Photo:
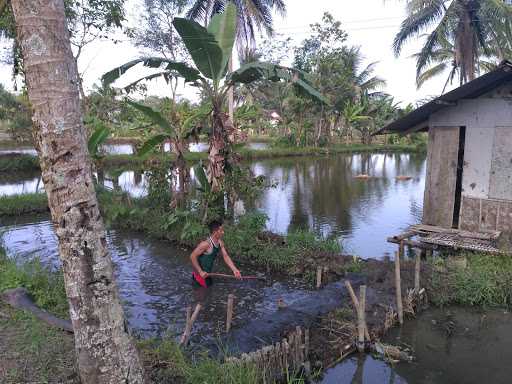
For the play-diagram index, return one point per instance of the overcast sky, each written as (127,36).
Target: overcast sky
(371,24)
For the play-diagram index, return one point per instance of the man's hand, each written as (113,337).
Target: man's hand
(203,274)
(237,274)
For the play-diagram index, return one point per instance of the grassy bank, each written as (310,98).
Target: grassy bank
(20,162)
(247,239)
(23,204)
(472,279)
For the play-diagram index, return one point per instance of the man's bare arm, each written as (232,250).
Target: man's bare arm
(229,262)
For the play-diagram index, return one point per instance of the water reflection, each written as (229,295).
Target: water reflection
(319,194)
(322,194)
(476,351)
(362,370)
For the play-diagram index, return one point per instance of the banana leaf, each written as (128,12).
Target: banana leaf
(223,27)
(100,134)
(151,143)
(155,116)
(188,73)
(255,71)
(202,47)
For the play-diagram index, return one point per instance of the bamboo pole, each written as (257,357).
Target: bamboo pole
(229,312)
(191,318)
(355,303)
(319,277)
(361,317)
(399,305)
(417,269)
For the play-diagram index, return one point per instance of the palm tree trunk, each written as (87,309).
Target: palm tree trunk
(104,349)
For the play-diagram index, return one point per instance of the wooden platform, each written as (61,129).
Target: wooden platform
(431,238)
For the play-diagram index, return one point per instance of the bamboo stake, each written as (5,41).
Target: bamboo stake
(361,318)
(300,351)
(417,269)
(319,277)
(355,302)
(190,322)
(229,312)
(399,305)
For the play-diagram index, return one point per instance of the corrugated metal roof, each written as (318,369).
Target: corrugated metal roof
(471,90)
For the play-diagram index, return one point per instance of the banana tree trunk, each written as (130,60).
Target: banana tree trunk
(104,349)
(217,150)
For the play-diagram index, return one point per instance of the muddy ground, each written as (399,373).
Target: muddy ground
(31,351)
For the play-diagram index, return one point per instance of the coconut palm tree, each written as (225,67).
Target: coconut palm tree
(467,23)
(210,49)
(252,15)
(104,349)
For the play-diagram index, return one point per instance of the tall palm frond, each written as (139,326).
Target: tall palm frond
(253,16)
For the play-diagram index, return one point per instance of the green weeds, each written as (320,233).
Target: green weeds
(485,281)
(18,162)
(46,287)
(23,204)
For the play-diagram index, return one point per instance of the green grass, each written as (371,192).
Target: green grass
(486,281)
(45,287)
(246,240)
(23,204)
(18,162)
(14,163)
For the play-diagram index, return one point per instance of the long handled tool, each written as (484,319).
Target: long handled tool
(262,278)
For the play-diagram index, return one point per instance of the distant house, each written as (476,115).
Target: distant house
(469,160)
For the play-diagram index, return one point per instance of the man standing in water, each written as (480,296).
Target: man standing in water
(203,257)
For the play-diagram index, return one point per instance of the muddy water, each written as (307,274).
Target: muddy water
(154,280)
(320,194)
(454,345)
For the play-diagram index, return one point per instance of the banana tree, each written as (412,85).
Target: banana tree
(210,49)
(178,137)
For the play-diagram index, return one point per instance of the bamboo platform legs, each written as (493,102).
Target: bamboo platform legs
(398,286)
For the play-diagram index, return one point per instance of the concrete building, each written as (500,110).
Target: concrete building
(469,160)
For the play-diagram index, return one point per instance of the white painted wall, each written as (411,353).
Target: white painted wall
(477,162)
(480,117)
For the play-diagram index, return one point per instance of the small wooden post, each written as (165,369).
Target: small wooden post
(401,249)
(417,269)
(190,322)
(361,317)
(355,302)
(399,305)
(229,312)
(319,271)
